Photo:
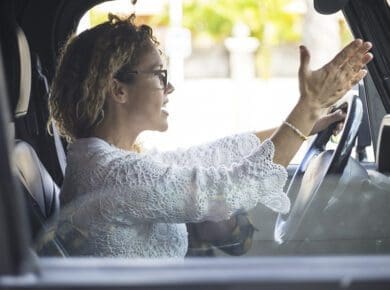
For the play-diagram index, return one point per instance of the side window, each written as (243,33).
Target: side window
(234,66)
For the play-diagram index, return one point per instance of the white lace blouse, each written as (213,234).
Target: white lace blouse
(135,205)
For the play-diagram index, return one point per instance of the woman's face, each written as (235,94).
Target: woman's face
(147,95)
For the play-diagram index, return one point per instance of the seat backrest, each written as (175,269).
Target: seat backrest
(42,196)
(41,190)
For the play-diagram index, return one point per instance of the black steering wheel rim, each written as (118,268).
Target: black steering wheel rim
(316,167)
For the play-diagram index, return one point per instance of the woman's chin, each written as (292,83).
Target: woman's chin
(163,127)
(159,125)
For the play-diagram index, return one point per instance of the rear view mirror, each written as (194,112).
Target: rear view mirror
(329,6)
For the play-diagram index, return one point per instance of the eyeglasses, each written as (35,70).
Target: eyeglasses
(162,74)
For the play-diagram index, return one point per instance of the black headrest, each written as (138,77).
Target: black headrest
(329,6)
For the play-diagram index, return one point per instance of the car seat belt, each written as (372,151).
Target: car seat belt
(61,156)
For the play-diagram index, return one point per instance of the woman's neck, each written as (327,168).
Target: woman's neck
(119,136)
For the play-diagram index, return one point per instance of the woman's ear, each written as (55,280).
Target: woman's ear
(119,92)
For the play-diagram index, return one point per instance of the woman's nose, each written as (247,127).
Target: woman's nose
(170,88)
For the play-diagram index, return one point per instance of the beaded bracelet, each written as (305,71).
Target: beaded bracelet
(296,130)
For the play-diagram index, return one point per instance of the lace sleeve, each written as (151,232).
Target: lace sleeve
(150,190)
(224,151)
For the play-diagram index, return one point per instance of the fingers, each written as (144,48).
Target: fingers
(327,120)
(337,115)
(344,55)
(362,73)
(304,60)
(339,127)
(334,117)
(347,67)
(360,58)
(349,78)
(367,58)
(351,72)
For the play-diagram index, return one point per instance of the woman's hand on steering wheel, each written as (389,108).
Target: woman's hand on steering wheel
(327,120)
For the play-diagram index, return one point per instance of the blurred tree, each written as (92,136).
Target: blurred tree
(211,21)
(215,18)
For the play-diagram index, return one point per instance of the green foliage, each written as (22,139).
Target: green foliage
(215,19)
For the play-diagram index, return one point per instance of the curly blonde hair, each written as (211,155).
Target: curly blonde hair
(87,62)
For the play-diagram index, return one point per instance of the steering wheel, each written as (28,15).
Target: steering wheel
(315,179)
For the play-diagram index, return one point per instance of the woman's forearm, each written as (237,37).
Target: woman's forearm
(285,140)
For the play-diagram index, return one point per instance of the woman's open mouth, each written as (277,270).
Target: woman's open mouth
(164,108)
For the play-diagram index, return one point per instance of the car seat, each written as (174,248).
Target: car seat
(41,192)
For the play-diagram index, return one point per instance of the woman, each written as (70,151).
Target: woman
(111,85)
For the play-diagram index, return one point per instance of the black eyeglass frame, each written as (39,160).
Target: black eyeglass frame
(157,72)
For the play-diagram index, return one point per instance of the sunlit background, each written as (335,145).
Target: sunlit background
(233,62)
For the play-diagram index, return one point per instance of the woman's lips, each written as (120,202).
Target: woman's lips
(164,107)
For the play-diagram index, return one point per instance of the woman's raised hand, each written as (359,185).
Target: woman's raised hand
(319,89)
(323,87)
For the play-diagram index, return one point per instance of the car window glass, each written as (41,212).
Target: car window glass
(234,67)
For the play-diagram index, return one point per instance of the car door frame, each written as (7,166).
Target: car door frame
(20,270)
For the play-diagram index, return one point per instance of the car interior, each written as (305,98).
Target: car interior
(40,158)
(340,202)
